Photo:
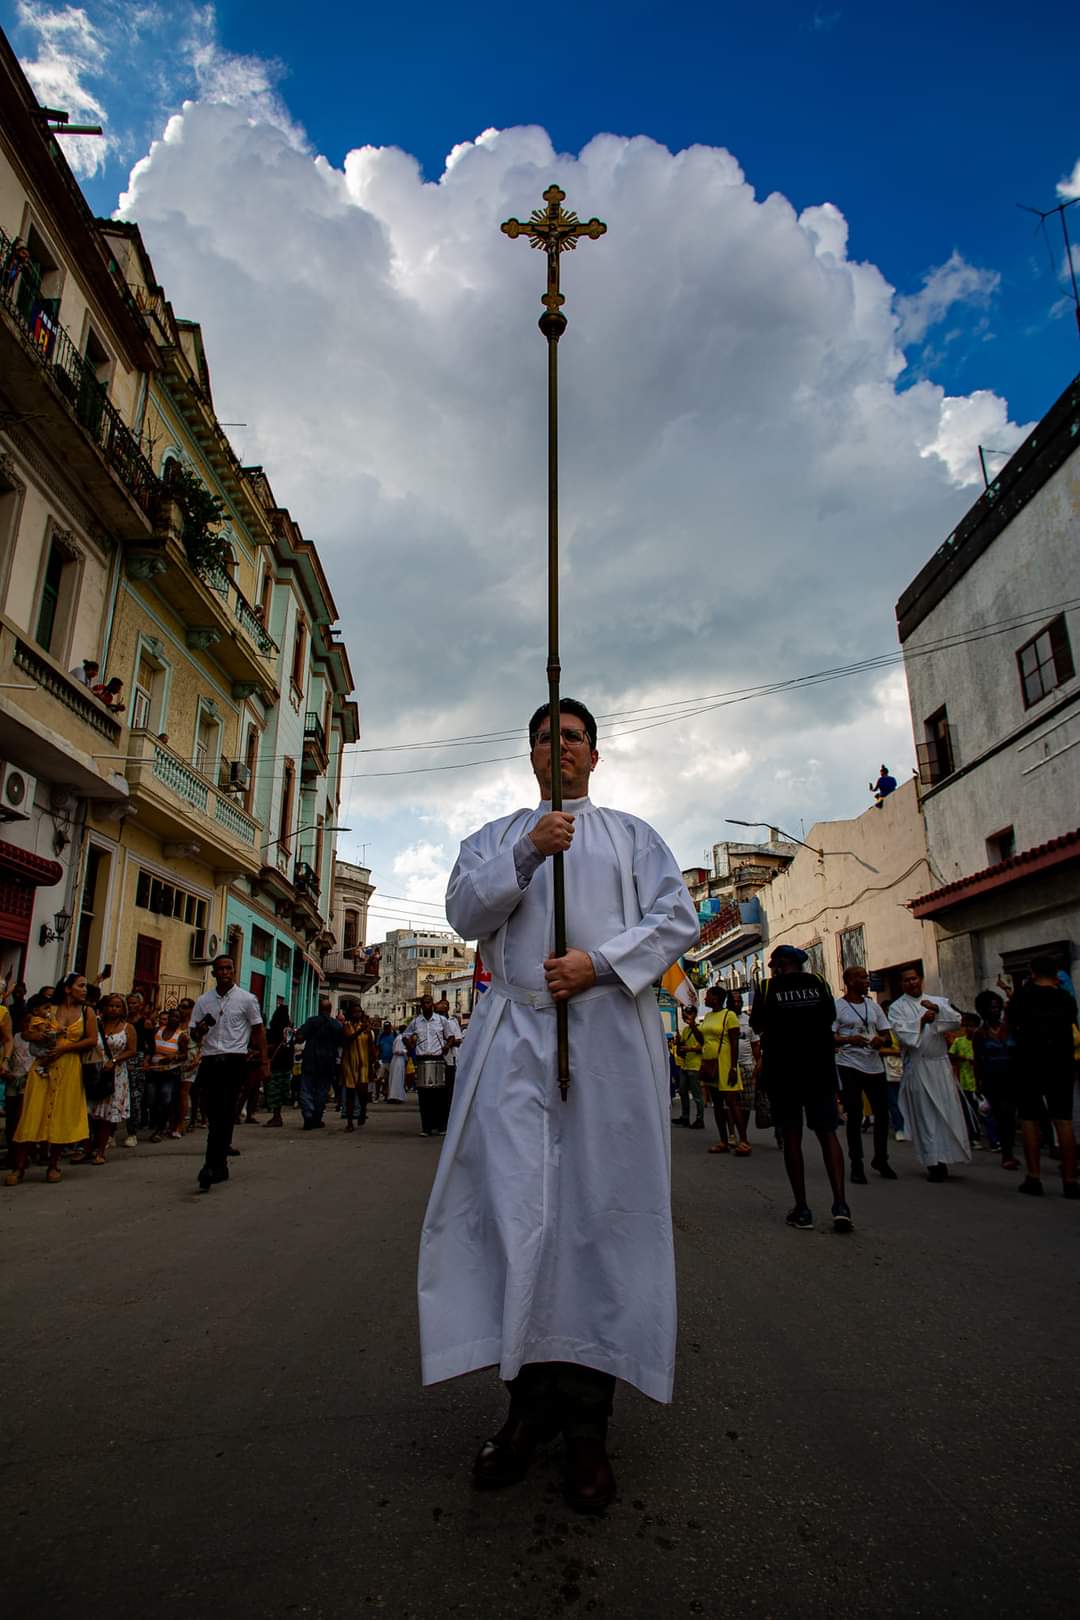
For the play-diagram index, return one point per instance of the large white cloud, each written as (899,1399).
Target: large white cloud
(747,483)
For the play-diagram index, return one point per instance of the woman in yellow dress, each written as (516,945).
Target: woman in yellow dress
(720,1070)
(54,1102)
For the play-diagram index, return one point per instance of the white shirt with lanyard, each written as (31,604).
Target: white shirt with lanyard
(860,1018)
(235,1015)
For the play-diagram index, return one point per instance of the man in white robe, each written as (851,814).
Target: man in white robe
(547,1246)
(929,1099)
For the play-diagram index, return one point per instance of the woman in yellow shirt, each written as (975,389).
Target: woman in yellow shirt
(720,1071)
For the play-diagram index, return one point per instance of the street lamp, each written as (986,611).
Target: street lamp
(820,853)
(61,921)
(287,837)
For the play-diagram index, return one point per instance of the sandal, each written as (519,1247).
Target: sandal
(13,1178)
(54,1174)
(743,1149)
(99,1158)
(719,1147)
(80,1157)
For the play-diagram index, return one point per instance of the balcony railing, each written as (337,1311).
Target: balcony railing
(225,587)
(72,375)
(151,758)
(70,693)
(313,730)
(306,879)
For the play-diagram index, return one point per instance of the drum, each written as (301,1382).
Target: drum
(430,1071)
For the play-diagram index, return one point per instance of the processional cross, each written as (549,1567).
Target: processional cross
(555,231)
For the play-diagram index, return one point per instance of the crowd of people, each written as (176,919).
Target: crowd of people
(914,1069)
(84,1070)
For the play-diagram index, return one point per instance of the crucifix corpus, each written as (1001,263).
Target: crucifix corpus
(555,231)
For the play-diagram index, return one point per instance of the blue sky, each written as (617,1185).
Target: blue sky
(842,300)
(925,126)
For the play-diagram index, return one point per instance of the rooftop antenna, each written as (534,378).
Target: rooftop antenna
(1043,215)
(988,450)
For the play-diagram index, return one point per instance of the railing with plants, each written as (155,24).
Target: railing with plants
(73,376)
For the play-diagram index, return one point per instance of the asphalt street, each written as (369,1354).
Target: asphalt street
(212,1404)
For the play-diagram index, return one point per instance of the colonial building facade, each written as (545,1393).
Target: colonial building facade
(200,815)
(75,491)
(990,631)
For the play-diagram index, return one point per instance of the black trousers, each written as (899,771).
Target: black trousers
(852,1085)
(434,1107)
(562,1395)
(220,1082)
(1002,1099)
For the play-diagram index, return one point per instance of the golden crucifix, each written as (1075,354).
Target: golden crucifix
(555,231)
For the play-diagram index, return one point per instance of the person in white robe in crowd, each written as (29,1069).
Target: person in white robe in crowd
(547,1245)
(399,1058)
(929,1099)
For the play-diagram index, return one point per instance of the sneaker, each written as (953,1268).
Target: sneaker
(800,1218)
(884,1169)
(901,1136)
(131,1141)
(841,1217)
(1032,1185)
(680,1121)
(857,1176)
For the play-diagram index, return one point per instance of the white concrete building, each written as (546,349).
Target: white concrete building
(845,899)
(412,962)
(989,630)
(351,966)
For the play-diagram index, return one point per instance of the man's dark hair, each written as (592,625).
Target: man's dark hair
(1044,966)
(224,957)
(566,706)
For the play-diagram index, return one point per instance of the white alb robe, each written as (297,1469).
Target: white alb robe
(395,1090)
(929,1099)
(548,1231)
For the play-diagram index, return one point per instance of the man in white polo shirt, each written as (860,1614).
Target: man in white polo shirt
(861,1032)
(228,1022)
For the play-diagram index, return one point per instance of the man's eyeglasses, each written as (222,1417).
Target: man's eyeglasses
(575,738)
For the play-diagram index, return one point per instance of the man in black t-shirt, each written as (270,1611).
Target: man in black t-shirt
(791,1024)
(1040,1020)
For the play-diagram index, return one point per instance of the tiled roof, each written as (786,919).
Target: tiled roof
(1029,861)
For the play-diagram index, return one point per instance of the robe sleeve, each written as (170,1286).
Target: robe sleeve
(948,1017)
(483,888)
(642,954)
(906,1022)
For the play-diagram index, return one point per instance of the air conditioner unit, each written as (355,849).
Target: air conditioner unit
(204,947)
(17,791)
(239,774)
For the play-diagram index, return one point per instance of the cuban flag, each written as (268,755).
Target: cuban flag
(481,978)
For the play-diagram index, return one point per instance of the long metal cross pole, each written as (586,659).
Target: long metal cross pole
(555,231)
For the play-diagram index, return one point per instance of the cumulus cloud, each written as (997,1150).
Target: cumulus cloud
(70,52)
(954,282)
(747,484)
(1069,188)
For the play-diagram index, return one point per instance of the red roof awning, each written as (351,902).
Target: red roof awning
(1043,858)
(22,863)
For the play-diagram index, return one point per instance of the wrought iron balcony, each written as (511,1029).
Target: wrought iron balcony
(306,879)
(227,588)
(85,398)
(315,758)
